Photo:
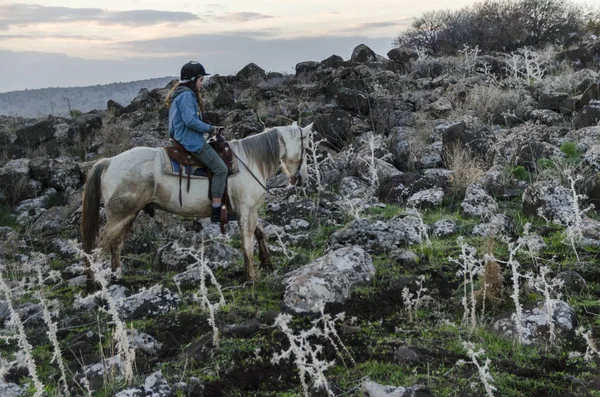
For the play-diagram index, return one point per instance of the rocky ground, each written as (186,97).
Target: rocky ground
(433,183)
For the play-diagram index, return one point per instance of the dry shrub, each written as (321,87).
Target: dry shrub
(490,103)
(115,139)
(491,293)
(467,168)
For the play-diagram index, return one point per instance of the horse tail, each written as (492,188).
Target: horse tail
(90,207)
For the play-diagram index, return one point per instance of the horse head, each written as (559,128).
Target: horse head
(294,160)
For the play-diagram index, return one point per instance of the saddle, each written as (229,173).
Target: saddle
(184,160)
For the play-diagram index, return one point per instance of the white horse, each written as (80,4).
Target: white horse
(134,179)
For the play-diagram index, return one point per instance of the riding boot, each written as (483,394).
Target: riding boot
(215,217)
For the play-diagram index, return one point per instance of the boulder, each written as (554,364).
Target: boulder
(372,389)
(589,115)
(251,73)
(403,55)
(84,127)
(333,61)
(328,279)
(553,200)
(335,127)
(536,324)
(477,203)
(378,237)
(306,68)
(362,54)
(224,99)
(349,99)
(15,184)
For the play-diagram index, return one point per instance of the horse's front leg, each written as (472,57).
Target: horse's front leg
(263,249)
(247,222)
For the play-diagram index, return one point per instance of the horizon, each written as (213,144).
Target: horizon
(56,43)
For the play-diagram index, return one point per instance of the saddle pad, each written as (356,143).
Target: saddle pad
(171,167)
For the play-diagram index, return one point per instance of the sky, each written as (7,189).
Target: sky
(49,43)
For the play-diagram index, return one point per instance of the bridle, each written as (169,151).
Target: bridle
(293,178)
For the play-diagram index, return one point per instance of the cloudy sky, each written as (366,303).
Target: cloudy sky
(46,43)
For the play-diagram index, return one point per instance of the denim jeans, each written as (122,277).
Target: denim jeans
(211,159)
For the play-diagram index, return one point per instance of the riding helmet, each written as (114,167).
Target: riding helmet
(192,70)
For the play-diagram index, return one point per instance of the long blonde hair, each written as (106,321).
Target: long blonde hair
(192,86)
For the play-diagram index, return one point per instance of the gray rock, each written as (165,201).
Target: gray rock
(477,203)
(592,157)
(224,99)
(545,116)
(497,224)
(553,200)
(405,258)
(372,389)
(362,53)
(251,73)
(304,68)
(350,99)
(156,385)
(552,100)
(132,392)
(10,390)
(572,282)
(429,198)
(10,242)
(353,187)
(440,108)
(405,355)
(444,227)
(589,115)
(96,373)
(141,341)
(471,135)
(403,55)
(536,324)
(15,184)
(328,279)
(378,237)
(335,128)
(149,302)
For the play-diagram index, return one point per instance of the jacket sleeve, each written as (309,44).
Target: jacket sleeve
(189,114)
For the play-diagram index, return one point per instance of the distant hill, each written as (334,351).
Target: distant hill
(45,101)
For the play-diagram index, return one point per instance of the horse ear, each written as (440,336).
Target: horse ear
(309,128)
(295,124)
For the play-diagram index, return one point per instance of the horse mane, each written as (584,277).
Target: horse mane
(264,150)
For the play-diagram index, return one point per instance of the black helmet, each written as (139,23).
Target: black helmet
(192,70)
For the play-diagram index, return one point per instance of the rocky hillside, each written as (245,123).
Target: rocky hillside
(445,245)
(61,100)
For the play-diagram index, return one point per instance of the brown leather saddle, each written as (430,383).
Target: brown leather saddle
(193,166)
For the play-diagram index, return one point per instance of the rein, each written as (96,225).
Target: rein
(275,187)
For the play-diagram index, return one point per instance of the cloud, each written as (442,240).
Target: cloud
(31,14)
(236,17)
(53,36)
(376,25)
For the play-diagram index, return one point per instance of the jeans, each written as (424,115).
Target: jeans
(211,159)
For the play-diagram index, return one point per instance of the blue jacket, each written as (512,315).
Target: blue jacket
(185,120)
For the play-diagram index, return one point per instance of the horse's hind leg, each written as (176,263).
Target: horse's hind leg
(263,249)
(113,236)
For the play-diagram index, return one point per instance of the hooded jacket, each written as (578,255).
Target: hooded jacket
(185,120)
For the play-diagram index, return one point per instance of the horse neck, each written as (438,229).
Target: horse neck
(262,152)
